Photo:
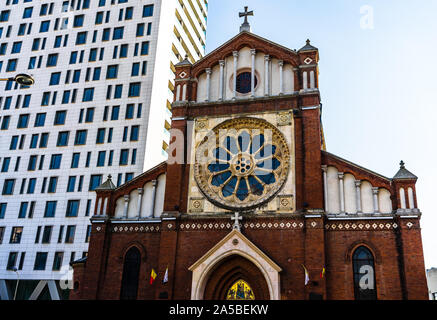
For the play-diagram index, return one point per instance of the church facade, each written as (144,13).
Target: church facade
(250,205)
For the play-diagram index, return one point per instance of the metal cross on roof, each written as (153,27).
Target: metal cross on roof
(236,218)
(245,26)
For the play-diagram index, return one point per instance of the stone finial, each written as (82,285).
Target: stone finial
(402,164)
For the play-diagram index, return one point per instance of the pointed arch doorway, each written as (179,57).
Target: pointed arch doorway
(236,278)
(235,258)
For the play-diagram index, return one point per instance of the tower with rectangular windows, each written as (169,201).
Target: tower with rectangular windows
(104,75)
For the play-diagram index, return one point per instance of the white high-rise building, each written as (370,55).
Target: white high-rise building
(100,105)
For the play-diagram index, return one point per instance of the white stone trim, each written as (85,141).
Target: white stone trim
(203,268)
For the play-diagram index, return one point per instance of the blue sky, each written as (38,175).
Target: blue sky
(377,85)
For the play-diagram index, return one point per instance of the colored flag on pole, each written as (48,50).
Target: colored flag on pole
(322,274)
(307,275)
(152,276)
(165,280)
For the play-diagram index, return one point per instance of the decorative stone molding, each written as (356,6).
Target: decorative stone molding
(228,247)
(285,203)
(368,226)
(284,118)
(197,205)
(202,124)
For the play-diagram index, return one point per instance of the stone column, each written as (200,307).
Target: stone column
(154,183)
(341,188)
(126,206)
(98,206)
(208,84)
(105,205)
(222,79)
(325,186)
(253,54)
(305,80)
(266,74)
(140,201)
(234,85)
(312,80)
(358,194)
(281,77)
(375,200)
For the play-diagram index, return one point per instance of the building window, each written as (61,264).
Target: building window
(134,133)
(88,95)
(80,138)
(75,160)
(124,155)
(145,48)
(8,187)
(57,261)
(100,136)
(78,21)
(47,234)
(23,210)
(88,234)
(52,60)
(95,181)
(60,117)
(16,234)
(148,11)
(118,33)
(2,234)
(55,161)
(5,165)
(44,27)
(71,184)
(3,207)
(134,89)
(62,139)
(27,13)
(112,72)
(23,121)
(72,208)
(40,261)
(364,274)
(50,209)
(69,235)
(55,78)
(12,260)
(53,182)
(81,38)
(40,119)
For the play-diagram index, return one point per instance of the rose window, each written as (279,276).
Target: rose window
(242,164)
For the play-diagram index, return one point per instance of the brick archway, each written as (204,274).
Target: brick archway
(229,271)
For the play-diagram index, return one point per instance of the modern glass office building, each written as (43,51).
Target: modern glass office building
(100,105)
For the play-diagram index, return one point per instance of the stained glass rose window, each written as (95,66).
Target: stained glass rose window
(242,164)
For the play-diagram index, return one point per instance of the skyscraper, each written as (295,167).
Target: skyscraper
(100,105)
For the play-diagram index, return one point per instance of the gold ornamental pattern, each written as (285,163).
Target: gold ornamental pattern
(242,164)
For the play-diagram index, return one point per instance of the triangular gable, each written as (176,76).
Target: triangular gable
(246,39)
(242,241)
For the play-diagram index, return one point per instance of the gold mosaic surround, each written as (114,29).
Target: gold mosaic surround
(235,127)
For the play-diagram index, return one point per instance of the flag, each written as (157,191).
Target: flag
(322,274)
(152,276)
(165,280)
(307,276)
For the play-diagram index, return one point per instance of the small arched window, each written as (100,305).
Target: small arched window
(131,271)
(364,274)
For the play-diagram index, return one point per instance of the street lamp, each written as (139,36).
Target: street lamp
(18,280)
(23,79)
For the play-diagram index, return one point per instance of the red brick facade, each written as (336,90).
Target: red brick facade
(307,237)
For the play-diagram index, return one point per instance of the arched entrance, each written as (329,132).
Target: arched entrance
(232,259)
(232,272)
(131,271)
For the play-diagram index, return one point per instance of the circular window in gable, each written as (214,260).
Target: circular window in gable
(244,82)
